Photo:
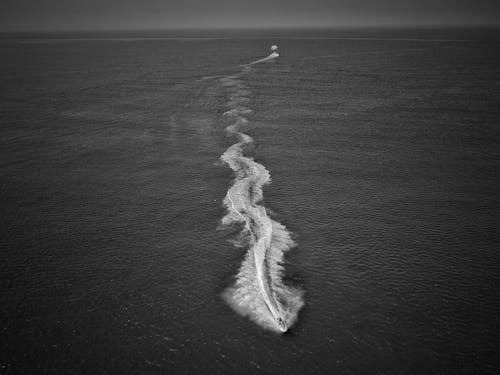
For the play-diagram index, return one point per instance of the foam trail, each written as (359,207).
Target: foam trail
(259,291)
(270,57)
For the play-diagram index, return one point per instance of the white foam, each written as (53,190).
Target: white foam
(270,57)
(259,291)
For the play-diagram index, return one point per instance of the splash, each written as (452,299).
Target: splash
(259,291)
(270,57)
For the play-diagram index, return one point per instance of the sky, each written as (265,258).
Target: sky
(46,15)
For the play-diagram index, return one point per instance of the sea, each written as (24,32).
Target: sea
(172,204)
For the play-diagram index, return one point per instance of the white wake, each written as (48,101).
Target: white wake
(259,291)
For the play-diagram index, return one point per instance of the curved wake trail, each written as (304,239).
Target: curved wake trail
(259,291)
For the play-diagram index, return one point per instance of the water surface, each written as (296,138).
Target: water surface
(383,150)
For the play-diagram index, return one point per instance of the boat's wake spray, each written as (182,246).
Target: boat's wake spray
(259,291)
(274,54)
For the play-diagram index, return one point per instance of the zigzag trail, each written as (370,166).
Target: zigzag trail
(259,291)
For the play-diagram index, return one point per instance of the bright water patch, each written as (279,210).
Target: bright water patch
(259,291)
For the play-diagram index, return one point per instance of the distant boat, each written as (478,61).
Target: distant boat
(275,53)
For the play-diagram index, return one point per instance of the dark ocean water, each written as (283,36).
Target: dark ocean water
(384,154)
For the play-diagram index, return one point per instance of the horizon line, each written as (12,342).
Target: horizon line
(259,28)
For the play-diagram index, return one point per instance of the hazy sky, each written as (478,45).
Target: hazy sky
(160,14)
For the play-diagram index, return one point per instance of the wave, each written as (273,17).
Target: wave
(259,291)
